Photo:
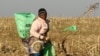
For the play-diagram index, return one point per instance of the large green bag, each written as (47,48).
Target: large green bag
(49,49)
(23,23)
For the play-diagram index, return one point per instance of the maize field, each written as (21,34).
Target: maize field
(83,42)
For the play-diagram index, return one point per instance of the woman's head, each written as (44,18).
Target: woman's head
(42,13)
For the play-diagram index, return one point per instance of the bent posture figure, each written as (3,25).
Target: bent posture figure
(38,33)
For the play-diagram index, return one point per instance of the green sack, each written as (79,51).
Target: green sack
(23,23)
(70,28)
(49,49)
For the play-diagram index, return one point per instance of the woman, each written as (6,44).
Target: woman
(38,32)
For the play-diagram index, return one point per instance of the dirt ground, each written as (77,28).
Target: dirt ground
(83,42)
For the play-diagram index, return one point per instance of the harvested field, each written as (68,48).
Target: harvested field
(83,42)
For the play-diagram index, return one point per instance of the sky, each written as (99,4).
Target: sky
(61,8)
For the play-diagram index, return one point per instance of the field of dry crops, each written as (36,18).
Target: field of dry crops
(84,42)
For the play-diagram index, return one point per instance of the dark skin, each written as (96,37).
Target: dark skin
(43,16)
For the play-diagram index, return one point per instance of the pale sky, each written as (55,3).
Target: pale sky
(54,7)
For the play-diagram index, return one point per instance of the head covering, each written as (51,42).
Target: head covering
(42,10)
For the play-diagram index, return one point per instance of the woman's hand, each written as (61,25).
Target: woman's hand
(41,37)
(47,38)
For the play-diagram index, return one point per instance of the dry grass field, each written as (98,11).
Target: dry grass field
(83,42)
